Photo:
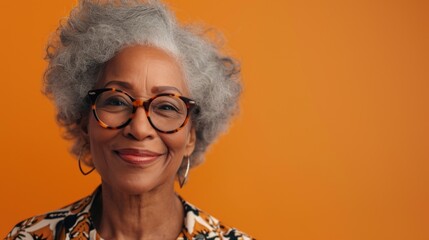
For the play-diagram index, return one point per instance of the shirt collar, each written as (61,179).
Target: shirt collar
(196,224)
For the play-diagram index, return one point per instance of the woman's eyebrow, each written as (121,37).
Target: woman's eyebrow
(159,89)
(156,89)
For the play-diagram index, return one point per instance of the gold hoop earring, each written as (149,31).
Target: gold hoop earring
(80,165)
(182,181)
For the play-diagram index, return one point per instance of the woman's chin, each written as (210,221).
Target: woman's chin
(136,186)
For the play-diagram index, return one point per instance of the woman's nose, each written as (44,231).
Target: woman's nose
(139,128)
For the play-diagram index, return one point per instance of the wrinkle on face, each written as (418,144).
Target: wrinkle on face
(152,79)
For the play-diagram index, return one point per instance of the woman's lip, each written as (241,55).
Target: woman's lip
(137,156)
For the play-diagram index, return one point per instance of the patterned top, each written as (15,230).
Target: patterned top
(74,222)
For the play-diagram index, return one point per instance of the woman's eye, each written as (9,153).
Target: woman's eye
(167,107)
(115,102)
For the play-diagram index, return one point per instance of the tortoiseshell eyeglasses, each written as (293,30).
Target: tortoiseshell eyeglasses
(166,112)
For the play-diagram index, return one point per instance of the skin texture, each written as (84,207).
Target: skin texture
(138,199)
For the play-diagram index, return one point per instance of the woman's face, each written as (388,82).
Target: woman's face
(137,158)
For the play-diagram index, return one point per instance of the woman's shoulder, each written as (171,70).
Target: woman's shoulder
(201,225)
(50,224)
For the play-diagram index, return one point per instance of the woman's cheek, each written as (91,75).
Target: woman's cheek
(176,142)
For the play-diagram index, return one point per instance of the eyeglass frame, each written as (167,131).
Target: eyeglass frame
(94,93)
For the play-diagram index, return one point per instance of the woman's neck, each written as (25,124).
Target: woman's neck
(157,214)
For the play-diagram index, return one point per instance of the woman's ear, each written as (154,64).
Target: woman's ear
(190,145)
(83,124)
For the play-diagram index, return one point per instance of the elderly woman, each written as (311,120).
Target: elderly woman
(141,98)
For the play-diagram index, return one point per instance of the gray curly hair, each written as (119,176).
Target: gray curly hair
(97,30)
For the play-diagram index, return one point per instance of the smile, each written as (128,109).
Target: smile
(137,157)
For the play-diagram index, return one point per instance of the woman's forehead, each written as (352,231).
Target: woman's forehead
(144,68)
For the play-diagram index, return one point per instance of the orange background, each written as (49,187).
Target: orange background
(332,141)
